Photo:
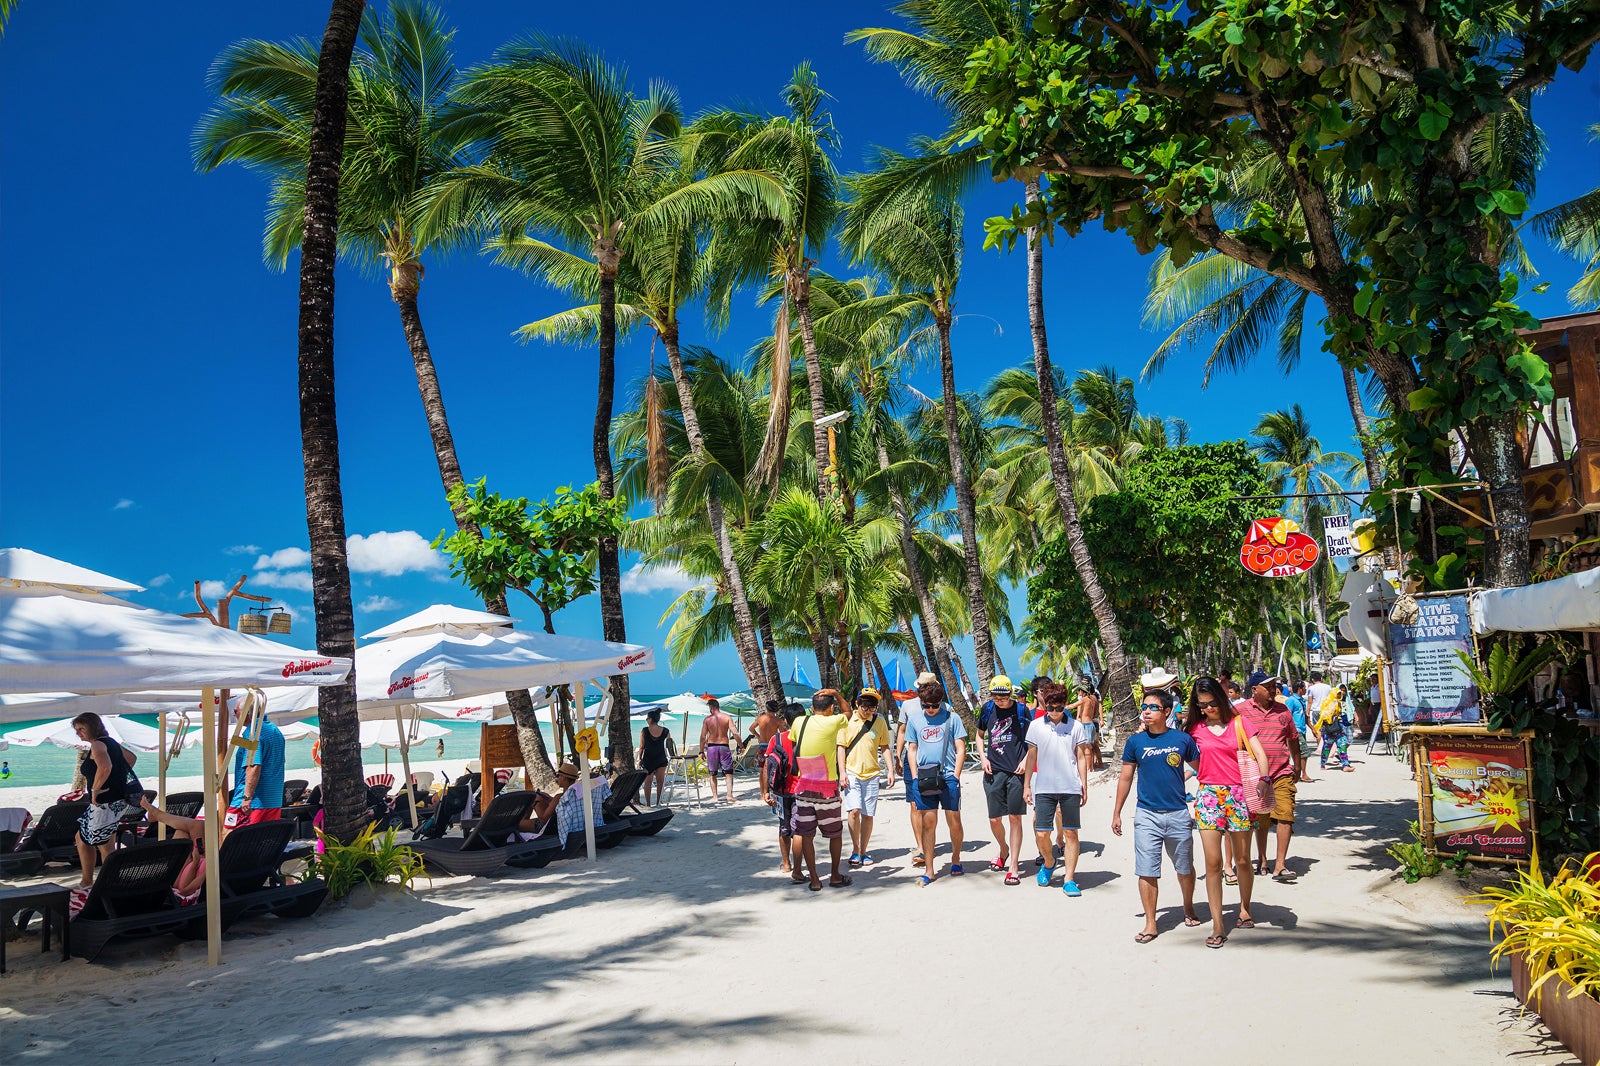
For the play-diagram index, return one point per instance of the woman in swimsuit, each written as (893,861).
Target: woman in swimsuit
(653,755)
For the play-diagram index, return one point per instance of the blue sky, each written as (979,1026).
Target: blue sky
(148,419)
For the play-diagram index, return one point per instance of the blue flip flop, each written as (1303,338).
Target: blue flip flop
(956,870)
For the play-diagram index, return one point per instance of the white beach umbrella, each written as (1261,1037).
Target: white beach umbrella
(21,568)
(60,734)
(299,731)
(441,617)
(387,734)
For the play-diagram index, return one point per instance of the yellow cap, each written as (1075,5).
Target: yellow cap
(1000,683)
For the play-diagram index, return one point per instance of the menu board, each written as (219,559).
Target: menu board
(1478,796)
(497,748)
(1431,685)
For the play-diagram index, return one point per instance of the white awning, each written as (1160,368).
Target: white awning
(1567,603)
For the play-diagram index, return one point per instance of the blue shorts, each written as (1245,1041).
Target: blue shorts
(1045,806)
(949,796)
(1155,830)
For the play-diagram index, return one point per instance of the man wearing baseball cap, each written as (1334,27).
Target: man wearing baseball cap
(1280,740)
(1002,745)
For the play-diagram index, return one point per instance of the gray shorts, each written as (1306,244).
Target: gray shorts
(1154,829)
(1044,811)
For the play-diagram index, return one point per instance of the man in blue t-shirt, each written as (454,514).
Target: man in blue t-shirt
(936,746)
(1003,729)
(258,786)
(1157,755)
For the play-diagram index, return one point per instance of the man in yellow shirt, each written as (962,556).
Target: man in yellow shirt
(865,739)
(819,753)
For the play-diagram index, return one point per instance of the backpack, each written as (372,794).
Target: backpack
(782,763)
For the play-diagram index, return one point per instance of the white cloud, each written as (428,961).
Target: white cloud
(243,549)
(211,590)
(392,554)
(283,579)
(122,505)
(159,580)
(284,559)
(378,603)
(640,579)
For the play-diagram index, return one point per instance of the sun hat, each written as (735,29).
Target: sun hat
(927,677)
(1000,684)
(566,769)
(1157,678)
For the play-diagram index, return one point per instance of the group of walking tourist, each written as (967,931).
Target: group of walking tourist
(1213,756)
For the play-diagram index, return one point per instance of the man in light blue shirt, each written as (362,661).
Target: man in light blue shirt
(258,787)
(936,747)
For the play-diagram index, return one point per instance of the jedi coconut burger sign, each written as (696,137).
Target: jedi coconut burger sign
(1275,547)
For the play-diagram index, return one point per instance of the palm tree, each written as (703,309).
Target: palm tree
(343,793)
(932,58)
(402,82)
(571,154)
(916,244)
(1293,458)
(796,148)
(657,276)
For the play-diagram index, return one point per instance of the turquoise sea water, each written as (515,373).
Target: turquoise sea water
(50,765)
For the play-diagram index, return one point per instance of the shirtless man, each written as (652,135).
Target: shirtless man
(716,746)
(769,722)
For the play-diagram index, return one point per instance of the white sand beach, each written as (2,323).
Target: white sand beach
(691,948)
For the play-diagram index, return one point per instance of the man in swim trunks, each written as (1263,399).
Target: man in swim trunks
(770,722)
(716,745)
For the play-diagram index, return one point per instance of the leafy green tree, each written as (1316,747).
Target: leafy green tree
(1137,113)
(1168,543)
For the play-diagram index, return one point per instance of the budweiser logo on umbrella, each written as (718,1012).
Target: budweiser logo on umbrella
(1275,547)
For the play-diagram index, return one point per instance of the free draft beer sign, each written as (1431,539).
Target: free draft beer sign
(1275,547)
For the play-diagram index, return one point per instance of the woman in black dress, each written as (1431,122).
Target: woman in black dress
(653,755)
(107,769)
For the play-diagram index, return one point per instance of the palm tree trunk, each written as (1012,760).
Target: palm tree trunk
(800,287)
(820,648)
(884,693)
(966,506)
(405,283)
(612,622)
(744,635)
(769,651)
(1496,454)
(1118,687)
(938,645)
(919,662)
(343,793)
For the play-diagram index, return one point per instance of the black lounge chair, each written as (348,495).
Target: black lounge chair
(133,897)
(185,804)
(55,834)
(623,806)
(293,790)
(17,860)
(492,843)
(251,883)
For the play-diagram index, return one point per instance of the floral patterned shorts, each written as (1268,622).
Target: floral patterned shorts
(1222,807)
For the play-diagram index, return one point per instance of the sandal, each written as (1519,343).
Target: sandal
(1216,941)
(956,870)
(816,887)
(1144,938)
(1013,879)
(1245,923)
(997,865)
(1285,877)
(1191,922)
(793,879)
(926,880)
(855,860)
(1230,879)
(918,861)
(844,881)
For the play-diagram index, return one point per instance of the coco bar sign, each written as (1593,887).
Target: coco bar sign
(1275,547)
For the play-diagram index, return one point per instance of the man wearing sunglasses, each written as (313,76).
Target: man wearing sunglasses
(1060,751)
(1161,818)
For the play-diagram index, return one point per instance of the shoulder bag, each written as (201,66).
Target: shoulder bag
(1249,773)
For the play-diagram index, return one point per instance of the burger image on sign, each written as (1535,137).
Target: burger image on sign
(1275,547)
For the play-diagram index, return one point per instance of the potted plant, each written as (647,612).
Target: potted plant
(1550,932)
(370,860)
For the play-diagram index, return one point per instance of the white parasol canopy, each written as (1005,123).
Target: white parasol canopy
(1568,603)
(65,642)
(61,734)
(299,731)
(688,704)
(441,617)
(386,733)
(21,568)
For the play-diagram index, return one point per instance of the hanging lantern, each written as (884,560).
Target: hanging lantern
(279,622)
(253,622)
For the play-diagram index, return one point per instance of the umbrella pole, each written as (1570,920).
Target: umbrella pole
(583,779)
(161,774)
(405,763)
(208,710)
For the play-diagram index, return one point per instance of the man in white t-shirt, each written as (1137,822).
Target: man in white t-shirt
(1057,765)
(1315,695)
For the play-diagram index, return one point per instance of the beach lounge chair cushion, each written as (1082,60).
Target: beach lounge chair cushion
(132,896)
